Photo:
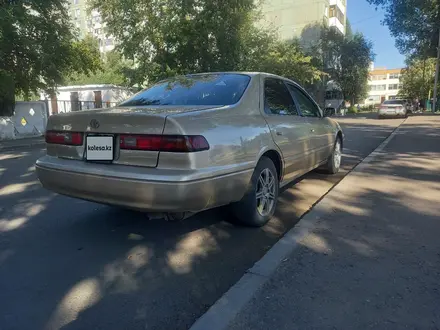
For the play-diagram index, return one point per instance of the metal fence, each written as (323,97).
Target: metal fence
(67,106)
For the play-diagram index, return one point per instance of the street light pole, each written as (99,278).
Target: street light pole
(437,69)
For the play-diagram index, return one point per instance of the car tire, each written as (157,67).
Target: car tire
(256,212)
(334,160)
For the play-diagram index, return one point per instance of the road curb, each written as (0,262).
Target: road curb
(225,310)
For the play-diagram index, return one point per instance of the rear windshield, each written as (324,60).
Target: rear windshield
(394,102)
(208,89)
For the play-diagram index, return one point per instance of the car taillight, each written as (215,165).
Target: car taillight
(168,143)
(67,138)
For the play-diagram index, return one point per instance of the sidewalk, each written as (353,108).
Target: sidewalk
(10,145)
(372,257)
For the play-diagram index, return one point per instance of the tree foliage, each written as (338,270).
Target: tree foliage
(113,69)
(353,73)
(37,48)
(414,23)
(346,60)
(418,78)
(170,37)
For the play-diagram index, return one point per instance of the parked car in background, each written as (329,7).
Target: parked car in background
(393,108)
(193,143)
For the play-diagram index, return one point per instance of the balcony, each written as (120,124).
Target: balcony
(340,3)
(333,21)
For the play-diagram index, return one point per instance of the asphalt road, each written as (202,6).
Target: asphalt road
(372,261)
(70,264)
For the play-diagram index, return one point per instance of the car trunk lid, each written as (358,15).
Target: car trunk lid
(103,129)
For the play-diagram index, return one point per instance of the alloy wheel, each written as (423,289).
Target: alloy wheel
(265,193)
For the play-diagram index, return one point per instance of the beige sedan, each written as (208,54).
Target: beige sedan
(193,143)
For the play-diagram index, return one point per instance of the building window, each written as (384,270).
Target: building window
(77,13)
(378,87)
(379,77)
(75,2)
(400,86)
(393,87)
(394,76)
(109,42)
(336,12)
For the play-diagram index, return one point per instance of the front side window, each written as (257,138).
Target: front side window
(277,99)
(307,107)
(206,89)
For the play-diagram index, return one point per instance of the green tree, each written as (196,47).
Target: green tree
(353,73)
(113,70)
(414,23)
(418,78)
(37,48)
(171,37)
(286,59)
(346,60)
(168,37)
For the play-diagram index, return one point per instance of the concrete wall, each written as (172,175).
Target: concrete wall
(86,96)
(6,129)
(30,119)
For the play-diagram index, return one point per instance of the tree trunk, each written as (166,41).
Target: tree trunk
(7,104)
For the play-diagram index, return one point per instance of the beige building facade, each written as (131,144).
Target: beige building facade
(294,18)
(89,23)
(384,84)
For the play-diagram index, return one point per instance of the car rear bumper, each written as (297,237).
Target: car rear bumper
(392,114)
(142,189)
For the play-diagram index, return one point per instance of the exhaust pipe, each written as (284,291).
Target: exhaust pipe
(170,216)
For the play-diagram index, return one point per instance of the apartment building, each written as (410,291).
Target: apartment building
(89,23)
(293,18)
(384,85)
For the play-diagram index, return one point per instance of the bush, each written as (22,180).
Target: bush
(367,108)
(352,109)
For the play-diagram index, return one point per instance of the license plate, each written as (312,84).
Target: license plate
(99,148)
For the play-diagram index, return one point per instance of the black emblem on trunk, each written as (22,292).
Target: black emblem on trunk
(94,123)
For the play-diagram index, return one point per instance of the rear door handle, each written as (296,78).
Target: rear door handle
(279,133)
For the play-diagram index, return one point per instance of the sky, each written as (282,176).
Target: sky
(366,19)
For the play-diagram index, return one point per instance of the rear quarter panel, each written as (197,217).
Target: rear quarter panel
(238,135)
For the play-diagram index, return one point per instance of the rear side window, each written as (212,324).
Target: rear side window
(277,98)
(207,89)
(394,102)
(307,107)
